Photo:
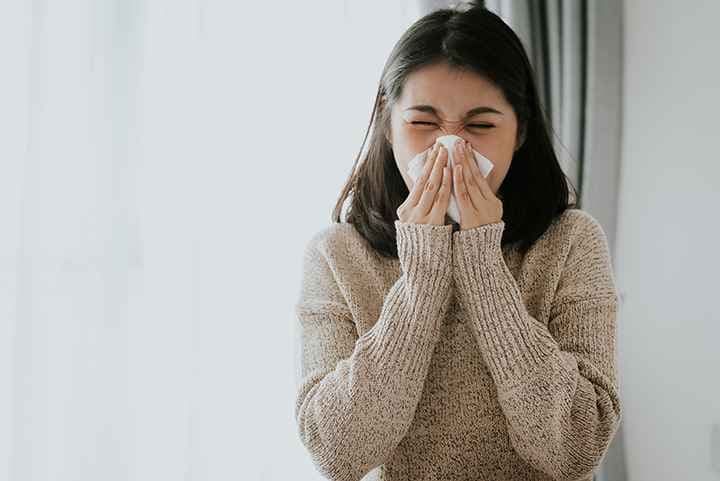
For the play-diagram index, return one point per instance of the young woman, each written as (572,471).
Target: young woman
(483,349)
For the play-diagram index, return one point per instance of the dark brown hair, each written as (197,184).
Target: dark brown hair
(535,189)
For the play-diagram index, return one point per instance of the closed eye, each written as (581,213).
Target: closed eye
(474,126)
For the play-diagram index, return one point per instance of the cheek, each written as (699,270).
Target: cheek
(501,158)
(495,147)
(402,158)
(406,147)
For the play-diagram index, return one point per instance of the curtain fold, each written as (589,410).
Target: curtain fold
(554,34)
(575,47)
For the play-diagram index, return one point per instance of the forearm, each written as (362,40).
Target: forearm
(562,408)
(352,417)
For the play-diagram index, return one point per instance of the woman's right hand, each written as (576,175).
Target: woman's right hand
(428,200)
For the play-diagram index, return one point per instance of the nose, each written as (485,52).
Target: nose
(456,133)
(452,130)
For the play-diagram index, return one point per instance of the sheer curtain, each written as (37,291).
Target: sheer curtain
(163,164)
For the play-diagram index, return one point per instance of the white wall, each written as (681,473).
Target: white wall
(667,244)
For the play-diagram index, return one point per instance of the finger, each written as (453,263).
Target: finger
(464,201)
(472,165)
(480,179)
(473,189)
(443,198)
(433,183)
(419,185)
(429,162)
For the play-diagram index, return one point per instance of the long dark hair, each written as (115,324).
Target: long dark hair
(535,189)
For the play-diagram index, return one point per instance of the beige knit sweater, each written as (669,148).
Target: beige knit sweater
(462,359)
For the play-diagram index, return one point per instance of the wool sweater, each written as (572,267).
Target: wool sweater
(462,359)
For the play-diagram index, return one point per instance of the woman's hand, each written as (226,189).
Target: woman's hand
(477,203)
(429,198)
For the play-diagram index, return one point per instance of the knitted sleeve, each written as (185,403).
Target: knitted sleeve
(357,395)
(556,384)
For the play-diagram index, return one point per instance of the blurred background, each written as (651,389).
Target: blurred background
(163,164)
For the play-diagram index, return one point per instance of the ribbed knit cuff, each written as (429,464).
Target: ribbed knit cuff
(425,255)
(403,339)
(479,244)
(512,342)
(430,244)
(401,343)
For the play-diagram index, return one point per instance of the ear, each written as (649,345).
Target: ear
(522,133)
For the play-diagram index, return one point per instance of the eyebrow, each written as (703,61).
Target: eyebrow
(477,110)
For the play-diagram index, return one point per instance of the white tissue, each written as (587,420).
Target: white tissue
(415,167)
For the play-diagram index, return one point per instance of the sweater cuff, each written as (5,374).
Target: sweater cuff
(425,252)
(512,342)
(480,244)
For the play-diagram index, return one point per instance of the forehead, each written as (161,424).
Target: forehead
(450,90)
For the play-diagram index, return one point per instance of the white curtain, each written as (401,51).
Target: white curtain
(163,164)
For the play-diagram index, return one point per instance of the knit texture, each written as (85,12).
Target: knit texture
(460,360)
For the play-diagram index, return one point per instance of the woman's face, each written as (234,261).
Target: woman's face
(452,93)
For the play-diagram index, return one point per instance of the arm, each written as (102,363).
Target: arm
(557,384)
(357,395)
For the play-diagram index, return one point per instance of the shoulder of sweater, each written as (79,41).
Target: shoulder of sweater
(333,237)
(583,227)
(573,232)
(575,225)
(586,254)
(577,241)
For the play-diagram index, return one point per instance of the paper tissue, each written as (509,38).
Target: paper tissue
(415,167)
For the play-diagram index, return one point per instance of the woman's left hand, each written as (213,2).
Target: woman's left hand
(477,203)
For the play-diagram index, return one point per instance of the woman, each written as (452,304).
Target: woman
(483,349)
